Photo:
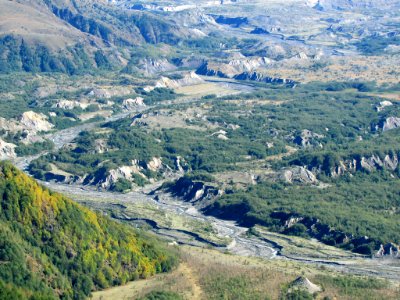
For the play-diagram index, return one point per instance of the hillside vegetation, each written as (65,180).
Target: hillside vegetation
(52,248)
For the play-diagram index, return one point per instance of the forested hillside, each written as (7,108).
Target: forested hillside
(52,248)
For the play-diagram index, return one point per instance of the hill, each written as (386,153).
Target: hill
(72,36)
(50,247)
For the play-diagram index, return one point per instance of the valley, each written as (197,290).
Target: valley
(225,235)
(211,149)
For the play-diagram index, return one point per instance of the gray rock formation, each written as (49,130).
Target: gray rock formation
(153,66)
(70,104)
(388,250)
(129,172)
(371,163)
(35,122)
(194,191)
(391,123)
(353,4)
(343,167)
(255,76)
(129,104)
(298,175)
(382,105)
(303,283)
(307,139)
(7,150)
(292,221)
(190,78)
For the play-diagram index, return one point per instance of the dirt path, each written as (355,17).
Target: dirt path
(191,277)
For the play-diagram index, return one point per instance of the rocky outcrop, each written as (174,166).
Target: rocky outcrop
(391,123)
(208,69)
(326,233)
(354,164)
(155,164)
(169,7)
(109,92)
(308,139)
(298,175)
(243,64)
(304,284)
(371,163)
(193,191)
(124,172)
(189,62)
(180,164)
(27,131)
(352,4)
(389,250)
(292,221)
(259,77)
(235,21)
(11,125)
(187,79)
(129,104)
(7,150)
(382,105)
(151,66)
(238,67)
(221,134)
(138,172)
(259,30)
(129,173)
(69,104)
(343,167)
(35,122)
